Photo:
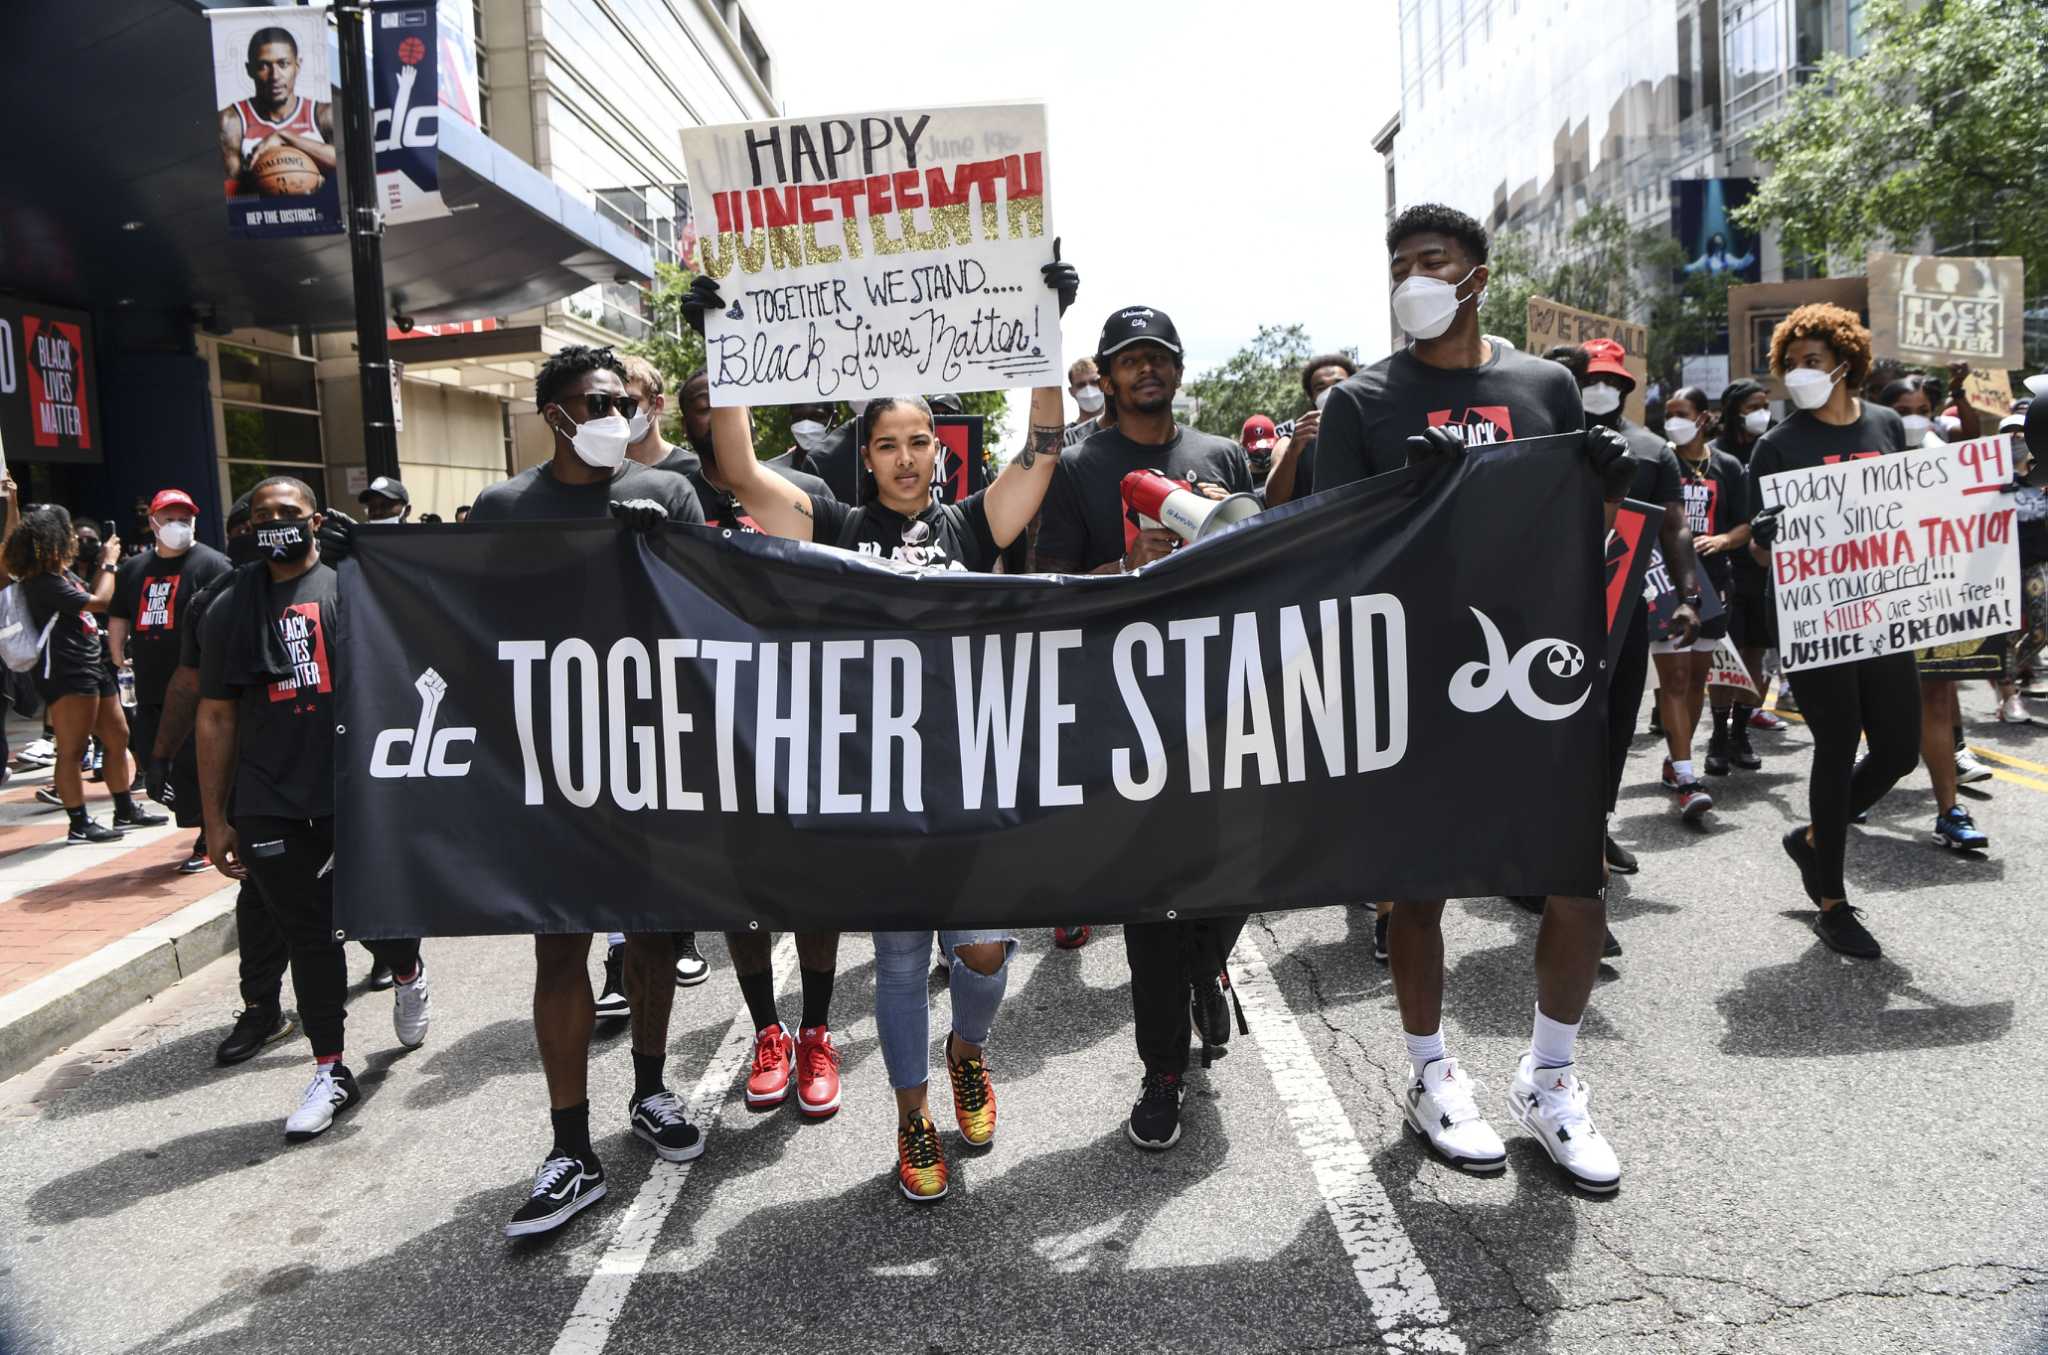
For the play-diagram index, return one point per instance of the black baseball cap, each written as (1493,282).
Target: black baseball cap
(384,487)
(1138,324)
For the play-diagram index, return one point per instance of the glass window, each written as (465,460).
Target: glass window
(261,378)
(244,476)
(270,435)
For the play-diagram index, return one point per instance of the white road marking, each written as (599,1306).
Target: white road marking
(1396,1283)
(590,1325)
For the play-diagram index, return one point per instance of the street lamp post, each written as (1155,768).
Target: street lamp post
(366,241)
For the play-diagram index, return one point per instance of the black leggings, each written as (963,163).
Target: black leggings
(1874,699)
(1164,958)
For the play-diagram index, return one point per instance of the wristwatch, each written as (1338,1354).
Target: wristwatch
(1690,599)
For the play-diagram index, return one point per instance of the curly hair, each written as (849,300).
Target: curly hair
(1322,360)
(1436,219)
(572,362)
(42,544)
(1839,329)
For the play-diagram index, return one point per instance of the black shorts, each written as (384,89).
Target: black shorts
(90,682)
(1753,620)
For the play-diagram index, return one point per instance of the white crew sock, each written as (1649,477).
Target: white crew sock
(1424,1050)
(1682,770)
(1551,1044)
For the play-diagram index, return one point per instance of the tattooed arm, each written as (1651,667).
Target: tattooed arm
(777,507)
(1014,498)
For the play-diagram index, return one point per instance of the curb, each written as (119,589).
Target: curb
(58,1008)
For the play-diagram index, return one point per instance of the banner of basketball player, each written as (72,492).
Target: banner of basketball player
(276,121)
(578,728)
(405,109)
(863,255)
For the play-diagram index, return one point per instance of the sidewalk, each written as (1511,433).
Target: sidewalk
(87,932)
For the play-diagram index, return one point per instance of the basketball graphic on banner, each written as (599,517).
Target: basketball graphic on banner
(285,171)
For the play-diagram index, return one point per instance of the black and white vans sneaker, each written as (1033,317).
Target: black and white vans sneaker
(332,1090)
(563,1186)
(611,998)
(660,1121)
(691,968)
(1379,937)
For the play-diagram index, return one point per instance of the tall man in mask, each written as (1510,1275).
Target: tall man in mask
(810,431)
(647,446)
(1448,390)
(151,609)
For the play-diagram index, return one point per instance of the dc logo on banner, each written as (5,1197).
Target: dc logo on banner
(1479,686)
(428,749)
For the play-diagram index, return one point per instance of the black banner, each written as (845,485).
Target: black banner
(566,727)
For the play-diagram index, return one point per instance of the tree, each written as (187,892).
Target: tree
(1940,126)
(1264,377)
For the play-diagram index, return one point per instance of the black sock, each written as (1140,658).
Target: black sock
(572,1130)
(78,819)
(1959,739)
(1740,716)
(1721,714)
(646,1074)
(759,991)
(124,804)
(817,997)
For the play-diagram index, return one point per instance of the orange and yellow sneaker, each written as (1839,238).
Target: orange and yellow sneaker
(920,1161)
(974,1100)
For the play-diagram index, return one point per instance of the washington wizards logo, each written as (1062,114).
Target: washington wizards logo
(1565,659)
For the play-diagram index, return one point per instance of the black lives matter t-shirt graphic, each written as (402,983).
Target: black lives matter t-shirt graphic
(284,728)
(305,640)
(943,536)
(1477,425)
(154,596)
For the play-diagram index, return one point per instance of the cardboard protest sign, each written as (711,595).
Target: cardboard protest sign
(1888,553)
(1629,545)
(1936,309)
(876,254)
(1553,322)
(1755,310)
(1989,390)
(1730,674)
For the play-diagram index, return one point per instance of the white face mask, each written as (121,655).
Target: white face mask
(174,535)
(1681,431)
(1600,398)
(1916,425)
(2037,386)
(1089,398)
(1424,307)
(602,443)
(637,426)
(1810,387)
(1322,397)
(806,428)
(1757,422)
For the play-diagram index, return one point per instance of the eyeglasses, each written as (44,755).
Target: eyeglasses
(601,403)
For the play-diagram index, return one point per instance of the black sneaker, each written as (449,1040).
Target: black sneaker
(1155,1119)
(47,795)
(1739,751)
(140,817)
(659,1120)
(92,831)
(564,1185)
(1210,1007)
(194,864)
(1610,947)
(1803,856)
(611,998)
(381,977)
(691,968)
(1620,859)
(1838,927)
(1717,754)
(1379,937)
(255,1027)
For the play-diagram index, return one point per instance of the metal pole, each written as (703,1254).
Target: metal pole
(366,241)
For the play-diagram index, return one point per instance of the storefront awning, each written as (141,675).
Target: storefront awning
(112,196)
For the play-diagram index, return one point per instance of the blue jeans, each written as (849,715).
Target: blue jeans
(903,1011)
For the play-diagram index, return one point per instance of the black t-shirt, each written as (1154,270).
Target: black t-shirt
(682,461)
(284,731)
(1716,496)
(1083,524)
(154,596)
(1657,473)
(1368,418)
(943,536)
(189,635)
(535,495)
(723,510)
(77,645)
(835,459)
(1803,442)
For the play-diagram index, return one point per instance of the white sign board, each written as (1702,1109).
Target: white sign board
(1885,554)
(876,254)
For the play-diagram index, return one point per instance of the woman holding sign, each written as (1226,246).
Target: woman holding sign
(903,522)
(1822,354)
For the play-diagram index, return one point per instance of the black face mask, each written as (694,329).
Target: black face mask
(283,542)
(242,549)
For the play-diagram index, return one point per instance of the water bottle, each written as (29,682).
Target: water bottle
(125,680)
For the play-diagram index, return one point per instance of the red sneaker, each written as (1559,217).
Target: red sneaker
(768,1083)
(817,1072)
(1071,938)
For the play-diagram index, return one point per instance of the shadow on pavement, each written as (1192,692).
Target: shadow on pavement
(1823,1004)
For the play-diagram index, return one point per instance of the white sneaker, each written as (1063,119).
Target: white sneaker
(1969,771)
(1551,1104)
(2013,711)
(1439,1106)
(42,753)
(332,1090)
(411,1007)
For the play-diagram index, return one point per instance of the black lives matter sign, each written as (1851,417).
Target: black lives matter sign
(47,384)
(1934,309)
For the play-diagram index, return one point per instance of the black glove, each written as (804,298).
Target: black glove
(702,299)
(642,515)
(156,781)
(1607,451)
(1763,528)
(337,538)
(1061,277)
(1432,445)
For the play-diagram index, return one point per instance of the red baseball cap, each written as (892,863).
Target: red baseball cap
(1604,358)
(172,498)
(1258,434)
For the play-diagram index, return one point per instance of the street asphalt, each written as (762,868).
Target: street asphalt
(1820,1155)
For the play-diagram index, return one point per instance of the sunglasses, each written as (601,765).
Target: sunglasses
(601,403)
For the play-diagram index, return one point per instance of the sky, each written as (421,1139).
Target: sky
(1210,160)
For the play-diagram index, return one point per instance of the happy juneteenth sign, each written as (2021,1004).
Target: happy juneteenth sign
(876,254)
